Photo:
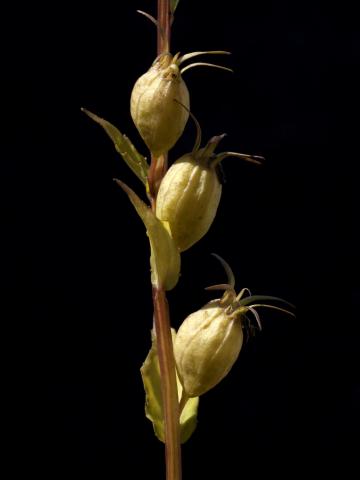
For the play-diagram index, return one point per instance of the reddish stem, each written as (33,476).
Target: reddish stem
(168,385)
(156,173)
(164,26)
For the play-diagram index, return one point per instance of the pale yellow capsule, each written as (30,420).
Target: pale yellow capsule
(159,119)
(206,347)
(190,192)
(209,340)
(160,101)
(188,198)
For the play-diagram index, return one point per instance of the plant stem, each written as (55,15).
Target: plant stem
(168,385)
(165,351)
(164,26)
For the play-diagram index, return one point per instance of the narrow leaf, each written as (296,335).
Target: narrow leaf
(173,5)
(188,417)
(123,145)
(165,257)
(150,373)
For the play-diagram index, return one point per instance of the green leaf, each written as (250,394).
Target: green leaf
(150,373)
(188,417)
(165,257)
(173,5)
(123,145)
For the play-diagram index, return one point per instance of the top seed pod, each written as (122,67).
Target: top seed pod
(156,100)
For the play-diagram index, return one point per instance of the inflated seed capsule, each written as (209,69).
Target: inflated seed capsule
(209,340)
(160,119)
(190,192)
(206,347)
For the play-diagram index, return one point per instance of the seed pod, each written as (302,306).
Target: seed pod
(209,340)
(206,347)
(190,192)
(159,119)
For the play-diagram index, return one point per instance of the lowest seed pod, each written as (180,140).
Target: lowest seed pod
(190,191)
(156,99)
(209,340)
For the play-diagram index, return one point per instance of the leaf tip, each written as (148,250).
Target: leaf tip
(121,184)
(90,114)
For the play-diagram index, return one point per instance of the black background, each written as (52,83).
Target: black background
(290,403)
